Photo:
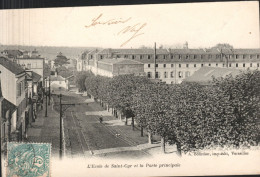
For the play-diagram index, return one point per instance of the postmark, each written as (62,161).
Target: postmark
(28,159)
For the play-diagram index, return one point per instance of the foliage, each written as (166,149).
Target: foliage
(80,80)
(64,72)
(192,116)
(61,60)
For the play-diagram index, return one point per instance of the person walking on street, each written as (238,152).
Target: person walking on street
(101,119)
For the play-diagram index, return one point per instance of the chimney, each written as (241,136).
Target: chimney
(186,45)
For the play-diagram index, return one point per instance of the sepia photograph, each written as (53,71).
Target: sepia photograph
(130,90)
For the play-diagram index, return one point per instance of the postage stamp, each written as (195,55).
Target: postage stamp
(28,159)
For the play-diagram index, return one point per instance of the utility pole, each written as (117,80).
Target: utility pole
(61,122)
(49,90)
(46,104)
(60,128)
(155,60)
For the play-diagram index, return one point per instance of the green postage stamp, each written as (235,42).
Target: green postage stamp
(28,159)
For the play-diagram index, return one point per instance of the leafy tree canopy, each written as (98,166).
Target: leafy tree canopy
(61,60)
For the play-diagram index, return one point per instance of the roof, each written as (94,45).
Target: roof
(11,66)
(119,61)
(14,53)
(36,77)
(57,78)
(178,51)
(204,75)
(133,51)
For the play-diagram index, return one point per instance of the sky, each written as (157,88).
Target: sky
(202,25)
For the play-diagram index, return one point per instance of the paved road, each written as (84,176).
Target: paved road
(85,134)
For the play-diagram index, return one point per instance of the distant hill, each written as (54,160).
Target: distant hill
(50,52)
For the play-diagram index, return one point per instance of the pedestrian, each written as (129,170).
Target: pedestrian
(101,119)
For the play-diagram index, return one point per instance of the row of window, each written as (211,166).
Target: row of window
(202,64)
(166,74)
(209,56)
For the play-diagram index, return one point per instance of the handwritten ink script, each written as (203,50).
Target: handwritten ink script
(132,30)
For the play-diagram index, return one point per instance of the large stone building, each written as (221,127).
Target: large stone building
(174,65)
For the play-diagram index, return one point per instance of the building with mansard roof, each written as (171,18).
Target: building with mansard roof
(174,65)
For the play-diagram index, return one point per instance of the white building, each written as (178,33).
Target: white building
(57,83)
(15,91)
(174,65)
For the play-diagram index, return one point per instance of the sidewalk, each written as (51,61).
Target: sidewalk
(46,129)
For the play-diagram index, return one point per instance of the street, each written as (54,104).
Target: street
(86,136)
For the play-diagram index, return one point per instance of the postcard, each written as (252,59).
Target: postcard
(130,90)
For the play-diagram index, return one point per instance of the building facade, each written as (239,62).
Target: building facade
(57,83)
(174,65)
(15,91)
(33,64)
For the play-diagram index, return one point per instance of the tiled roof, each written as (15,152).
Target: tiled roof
(11,66)
(204,75)
(57,78)
(119,61)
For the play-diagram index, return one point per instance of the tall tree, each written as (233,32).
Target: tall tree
(61,60)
